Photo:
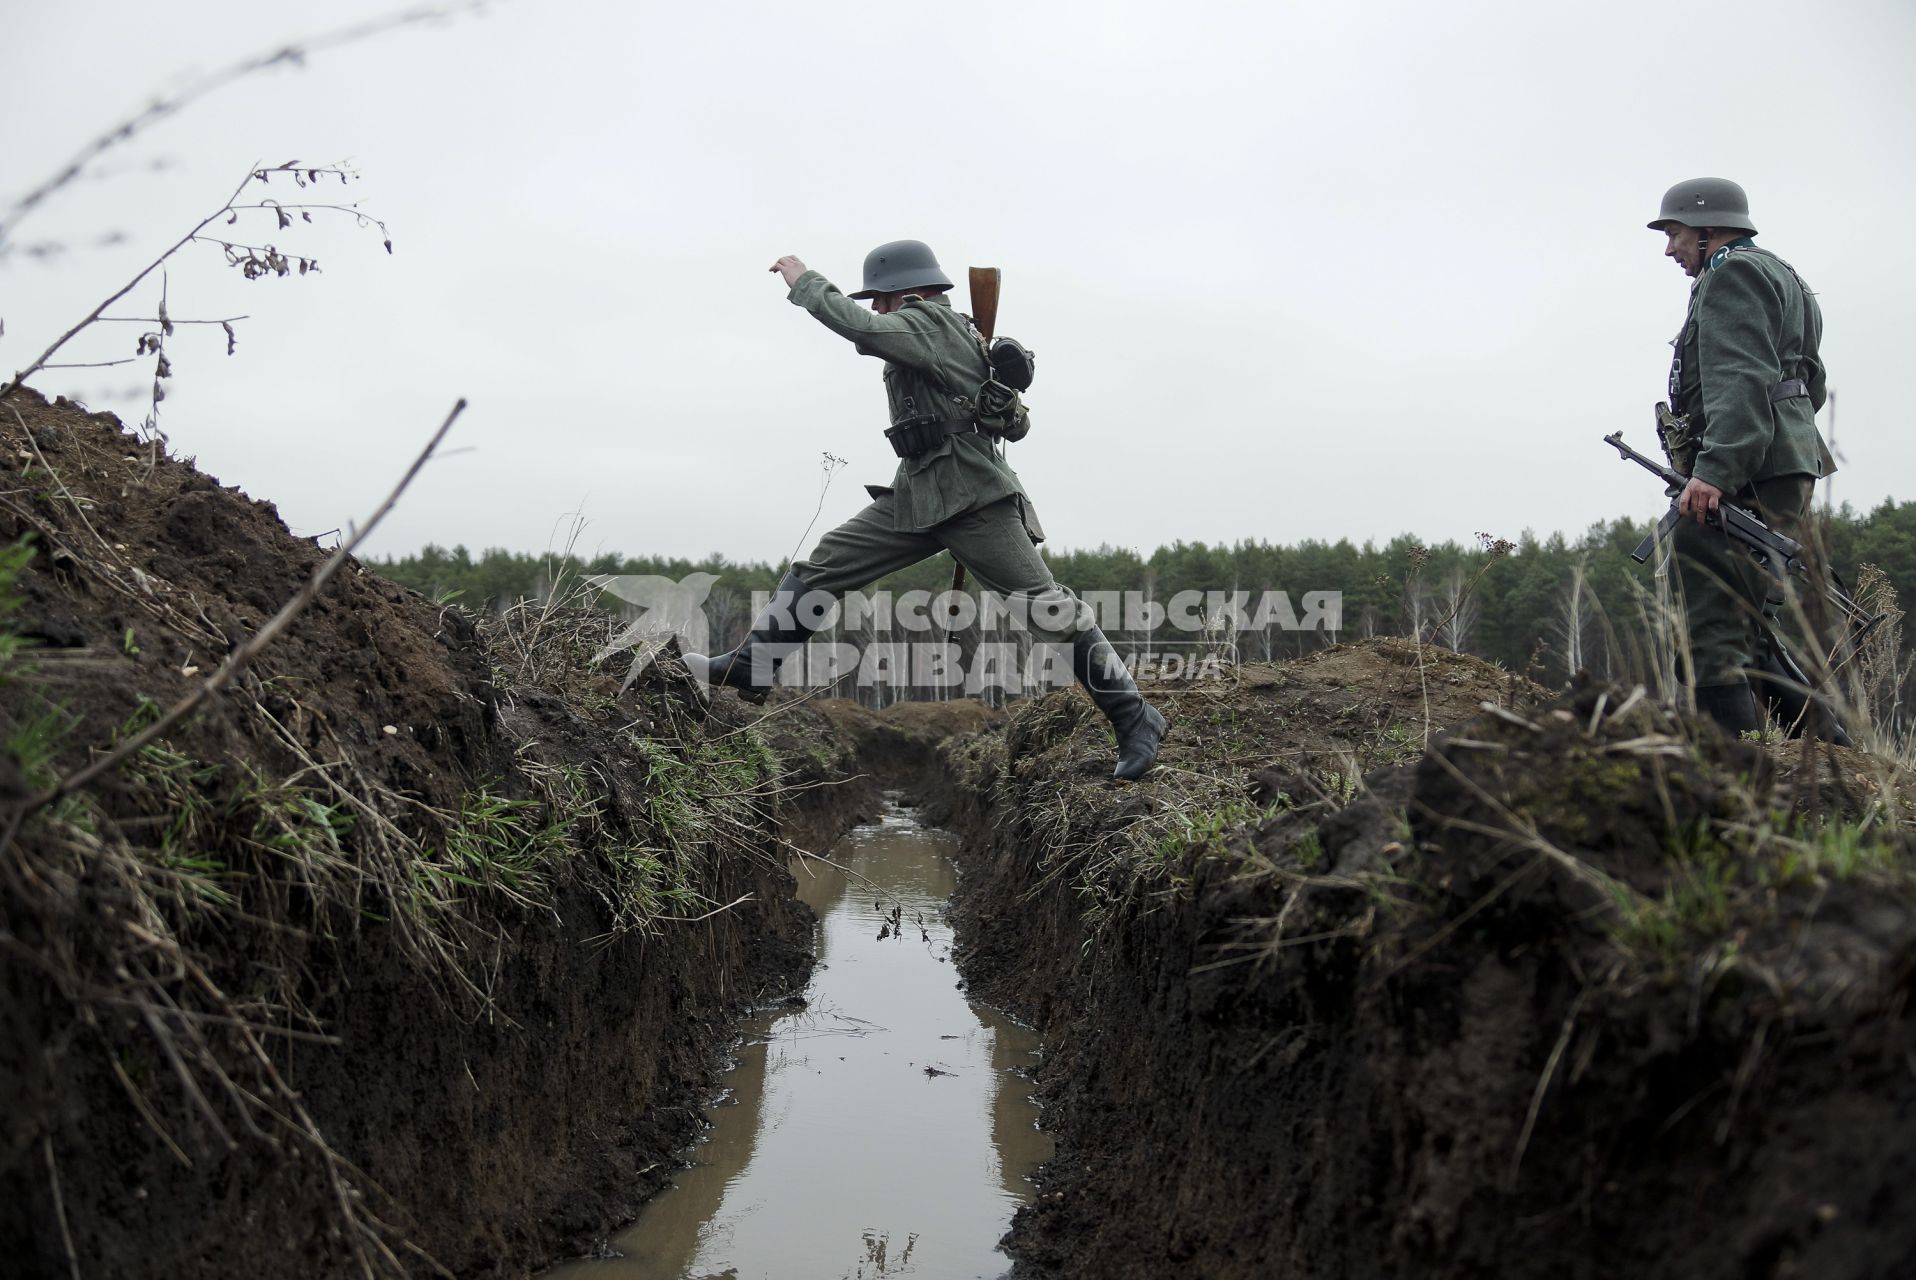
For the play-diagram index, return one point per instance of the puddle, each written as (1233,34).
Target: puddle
(880,1131)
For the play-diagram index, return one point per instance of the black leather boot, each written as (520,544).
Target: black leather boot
(1732,706)
(776,634)
(1138,724)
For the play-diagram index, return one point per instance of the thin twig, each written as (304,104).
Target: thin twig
(79,508)
(1543,1083)
(708,915)
(353,209)
(169,320)
(145,1109)
(59,1206)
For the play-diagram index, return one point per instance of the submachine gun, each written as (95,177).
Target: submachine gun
(1778,677)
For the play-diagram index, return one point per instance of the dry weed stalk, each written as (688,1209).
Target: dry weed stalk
(253,261)
(1494,549)
(1879,675)
(829,465)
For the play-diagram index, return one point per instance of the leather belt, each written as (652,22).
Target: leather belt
(919,435)
(1789,389)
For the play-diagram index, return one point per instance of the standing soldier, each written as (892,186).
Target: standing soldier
(1745,385)
(952,492)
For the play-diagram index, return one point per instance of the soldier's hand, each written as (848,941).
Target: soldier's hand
(1700,500)
(791,268)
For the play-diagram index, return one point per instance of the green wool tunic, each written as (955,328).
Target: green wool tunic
(1751,325)
(934,366)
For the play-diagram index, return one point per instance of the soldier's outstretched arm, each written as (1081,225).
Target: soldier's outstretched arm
(905,336)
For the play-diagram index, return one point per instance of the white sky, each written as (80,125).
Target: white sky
(1290,270)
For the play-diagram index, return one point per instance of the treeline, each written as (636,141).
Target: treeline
(1546,606)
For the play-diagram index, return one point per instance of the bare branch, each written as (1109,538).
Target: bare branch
(293,54)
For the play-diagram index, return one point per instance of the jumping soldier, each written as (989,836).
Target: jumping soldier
(952,492)
(1745,386)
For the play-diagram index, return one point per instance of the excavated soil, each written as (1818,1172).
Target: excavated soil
(237,1043)
(1579,990)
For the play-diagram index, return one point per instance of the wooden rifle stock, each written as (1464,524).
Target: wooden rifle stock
(984,299)
(984,283)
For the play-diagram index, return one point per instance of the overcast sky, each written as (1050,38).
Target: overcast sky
(1291,270)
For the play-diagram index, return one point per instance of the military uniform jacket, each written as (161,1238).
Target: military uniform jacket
(1751,326)
(934,366)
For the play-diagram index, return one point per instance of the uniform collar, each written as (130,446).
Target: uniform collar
(1722,255)
(942,299)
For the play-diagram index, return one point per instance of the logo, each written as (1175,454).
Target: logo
(959,642)
(666,609)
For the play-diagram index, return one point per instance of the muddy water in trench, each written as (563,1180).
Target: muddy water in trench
(882,1130)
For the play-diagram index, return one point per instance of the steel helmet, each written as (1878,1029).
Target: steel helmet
(901,265)
(1706,202)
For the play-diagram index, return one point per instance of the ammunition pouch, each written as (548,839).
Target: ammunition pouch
(914,436)
(1681,440)
(997,409)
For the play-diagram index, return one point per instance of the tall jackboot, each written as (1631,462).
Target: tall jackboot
(752,668)
(1138,724)
(1732,706)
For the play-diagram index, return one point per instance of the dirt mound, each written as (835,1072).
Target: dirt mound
(146,569)
(420,941)
(1578,990)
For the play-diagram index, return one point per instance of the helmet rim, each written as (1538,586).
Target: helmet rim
(899,266)
(1705,202)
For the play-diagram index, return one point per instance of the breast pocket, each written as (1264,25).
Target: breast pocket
(899,395)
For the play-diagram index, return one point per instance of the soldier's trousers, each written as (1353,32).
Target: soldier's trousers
(1724,586)
(991,542)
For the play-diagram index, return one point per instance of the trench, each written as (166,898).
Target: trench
(885,1127)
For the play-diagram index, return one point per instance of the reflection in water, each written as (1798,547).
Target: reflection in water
(879,1131)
